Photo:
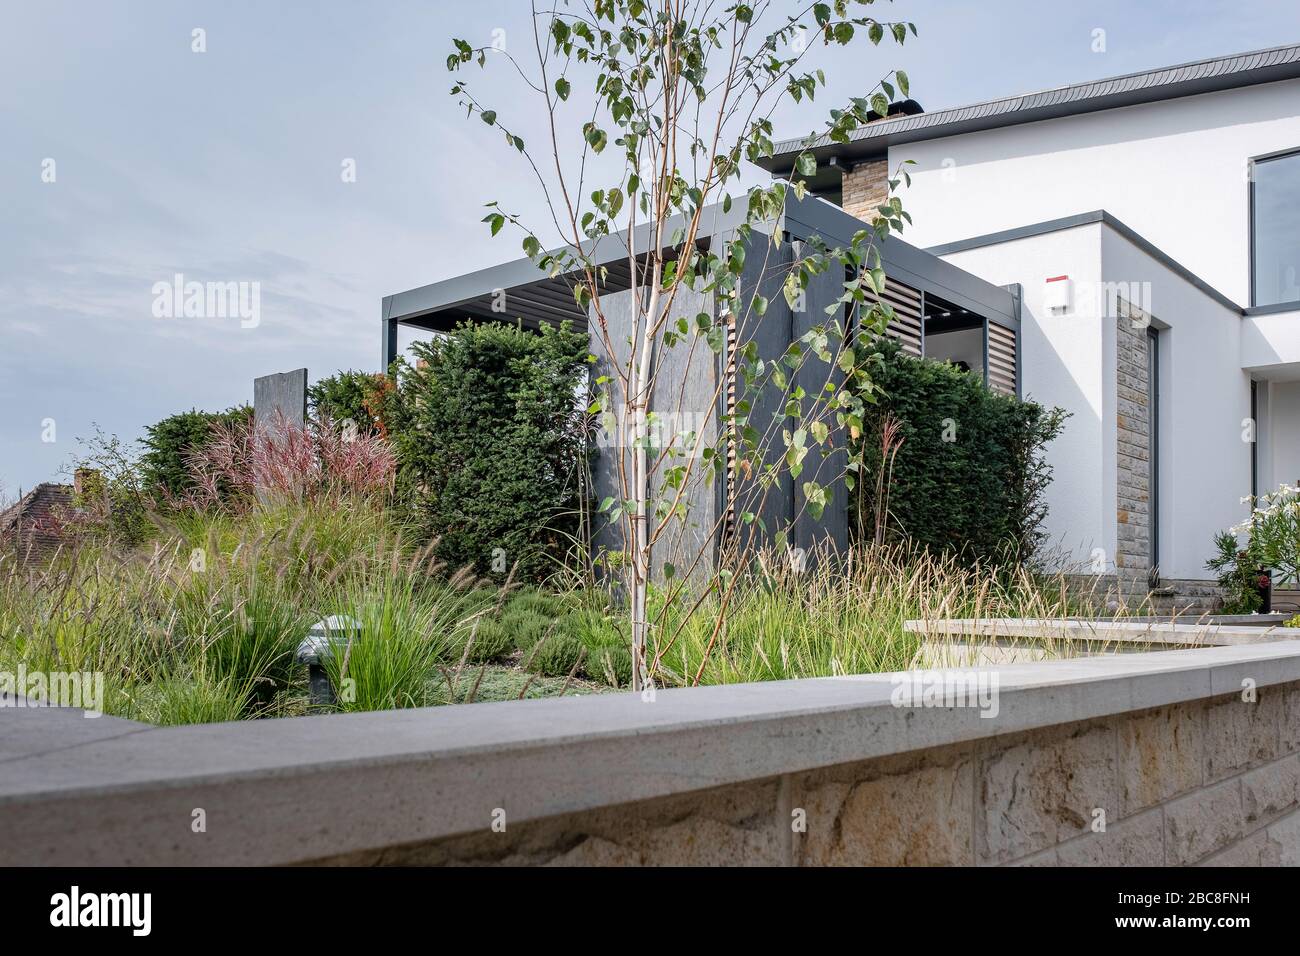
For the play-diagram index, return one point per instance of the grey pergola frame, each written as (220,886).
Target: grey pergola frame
(535,299)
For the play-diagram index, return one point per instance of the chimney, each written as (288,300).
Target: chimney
(87,483)
(865,183)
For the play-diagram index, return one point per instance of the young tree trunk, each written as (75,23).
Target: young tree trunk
(642,384)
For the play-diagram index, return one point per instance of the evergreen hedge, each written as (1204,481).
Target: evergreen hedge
(165,462)
(353,396)
(489,435)
(969,477)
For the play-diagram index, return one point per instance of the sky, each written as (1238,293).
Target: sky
(128,158)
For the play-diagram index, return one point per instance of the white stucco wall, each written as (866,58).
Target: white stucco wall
(965,345)
(1174,171)
(1204,400)
(1067,361)
(1270,345)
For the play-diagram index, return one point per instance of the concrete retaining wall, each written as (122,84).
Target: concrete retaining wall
(1168,757)
(1214,781)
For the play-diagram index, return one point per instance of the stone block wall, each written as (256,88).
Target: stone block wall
(1133,445)
(1213,781)
(865,187)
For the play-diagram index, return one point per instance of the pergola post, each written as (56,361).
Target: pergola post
(388,334)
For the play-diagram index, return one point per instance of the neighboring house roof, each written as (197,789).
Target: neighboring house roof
(1187,79)
(39,518)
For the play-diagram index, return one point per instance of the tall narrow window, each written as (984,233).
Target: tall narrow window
(1275,230)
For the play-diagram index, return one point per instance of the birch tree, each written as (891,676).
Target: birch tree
(652,111)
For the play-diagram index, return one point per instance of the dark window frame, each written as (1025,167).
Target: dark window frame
(1293,151)
(1153,441)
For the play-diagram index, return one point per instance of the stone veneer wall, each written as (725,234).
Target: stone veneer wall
(1133,446)
(865,187)
(1107,593)
(1213,781)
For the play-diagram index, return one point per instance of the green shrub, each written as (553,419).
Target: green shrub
(969,477)
(350,396)
(489,434)
(593,629)
(556,655)
(526,628)
(613,665)
(538,602)
(491,641)
(1238,571)
(165,463)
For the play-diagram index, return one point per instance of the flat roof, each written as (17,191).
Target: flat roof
(1164,83)
(535,298)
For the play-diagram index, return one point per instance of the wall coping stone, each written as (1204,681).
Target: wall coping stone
(1118,631)
(297,789)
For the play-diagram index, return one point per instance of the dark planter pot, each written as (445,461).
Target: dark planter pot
(1264,588)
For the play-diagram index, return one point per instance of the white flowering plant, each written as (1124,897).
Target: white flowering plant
(1273,532)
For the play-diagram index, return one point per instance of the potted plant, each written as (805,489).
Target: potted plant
(1262,579)
(1239,575)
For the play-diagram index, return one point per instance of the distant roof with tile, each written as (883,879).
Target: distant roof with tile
(39,519)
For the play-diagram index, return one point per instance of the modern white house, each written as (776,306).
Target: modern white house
(1126,249)
(1152,222)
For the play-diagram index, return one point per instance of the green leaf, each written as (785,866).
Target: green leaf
(807,164)
(489,116)
(902,81)
(595,137)
(815,495)
(562,88)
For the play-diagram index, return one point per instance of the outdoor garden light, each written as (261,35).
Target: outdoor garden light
(334,631)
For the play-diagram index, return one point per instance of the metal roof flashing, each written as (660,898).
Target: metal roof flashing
(1084,219)
(1170,82)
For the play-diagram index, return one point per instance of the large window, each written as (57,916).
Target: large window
(1275,225)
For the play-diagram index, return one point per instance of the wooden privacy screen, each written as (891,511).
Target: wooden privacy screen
(906,327)
(1002,358)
